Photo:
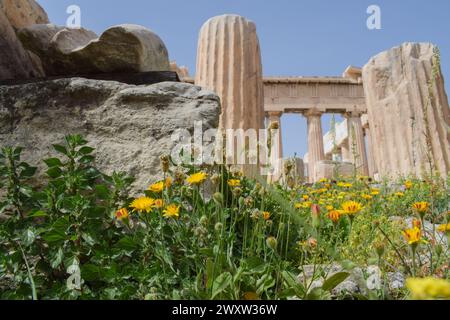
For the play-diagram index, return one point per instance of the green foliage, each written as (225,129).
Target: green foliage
(78,234)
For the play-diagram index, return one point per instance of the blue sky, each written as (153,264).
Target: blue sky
(298,37)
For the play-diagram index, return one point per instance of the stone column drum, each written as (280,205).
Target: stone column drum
(408,111)
(229,63)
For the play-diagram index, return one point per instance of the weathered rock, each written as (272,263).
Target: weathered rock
(23,13)
(356,283)
(123,48)
(15,62)
(130,126)
(403,109)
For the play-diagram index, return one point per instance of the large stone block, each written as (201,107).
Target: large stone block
(123,48)
(15,61)
(23,13)
(130,126)
(333,170)
(408,111)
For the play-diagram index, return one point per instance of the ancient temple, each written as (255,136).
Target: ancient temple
(388,105)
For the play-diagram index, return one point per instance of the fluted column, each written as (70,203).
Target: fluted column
(316,150)
(370,159)
(276,152)
(275,122)
(229,63)
(345,152)
(357,143)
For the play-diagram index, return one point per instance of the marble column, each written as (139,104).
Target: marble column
(275,121)
(229,63)
(316,151)
(357,143)
(345,152)
(370,159)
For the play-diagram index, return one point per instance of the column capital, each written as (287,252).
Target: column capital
(274,114)
(352,114)
(313,113)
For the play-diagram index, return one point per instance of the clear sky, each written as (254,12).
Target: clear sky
(298,37)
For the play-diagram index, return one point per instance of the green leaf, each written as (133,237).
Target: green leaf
(60,149)
(102,191)
(57,258)
(86,159)
(127,243)
(28,237)
(293,283)
(27,170)
(53,162)
(335,280)
(256,264)
(88,239)
(90,272)
(57,233)
(54,172)
(86,150)
(37,214)
(221,283)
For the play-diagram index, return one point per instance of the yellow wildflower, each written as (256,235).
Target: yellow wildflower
(366,197)
(408,185)
(169,182)
(233,183)
(445,228)
(334,215)
(266,215)
(143,204)
(421,207)
(122,214)
(352,208)
(428,288)
(399,194)
(197,178)
(159,203)
(172,211)
(305,197)
(157,187)
(413,236)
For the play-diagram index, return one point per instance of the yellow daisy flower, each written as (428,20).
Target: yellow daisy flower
(197,178)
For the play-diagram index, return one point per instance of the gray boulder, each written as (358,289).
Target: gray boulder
(130,126)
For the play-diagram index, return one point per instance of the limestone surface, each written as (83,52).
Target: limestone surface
(15,62)
(130,126)
(122,48)
(408,114)
(23,13)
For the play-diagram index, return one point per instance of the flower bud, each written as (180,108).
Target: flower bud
(272,243)
(218,227)
(218,198)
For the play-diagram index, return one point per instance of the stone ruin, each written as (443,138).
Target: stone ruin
(396,109)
